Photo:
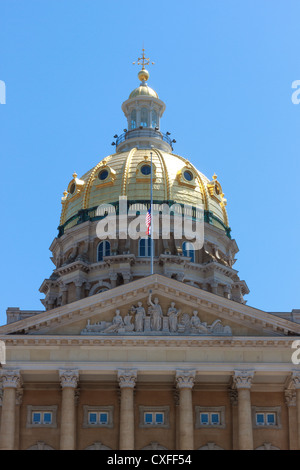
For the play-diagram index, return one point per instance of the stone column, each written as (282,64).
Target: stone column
(242,380)
(78,285)
(11,381)
(113,279)
(227,291)
(127,380)
(233,394)
(19,399)
(214,287)
(290,401)
(68,380)
(296,382)
(185,382)
(64,290)
(126,277)
(177,418)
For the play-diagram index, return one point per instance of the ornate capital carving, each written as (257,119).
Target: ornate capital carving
(290,397)
(69,377)
(19,396)
(127,378)
(243,378)
(295,379)
(11,378)
(185,378)
(233,395)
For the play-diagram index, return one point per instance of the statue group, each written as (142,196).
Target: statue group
(138,321)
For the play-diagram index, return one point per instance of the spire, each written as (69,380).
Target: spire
(143,74)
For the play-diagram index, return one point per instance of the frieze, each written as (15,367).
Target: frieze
(153,321)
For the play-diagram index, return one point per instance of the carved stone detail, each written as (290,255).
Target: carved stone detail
(154,446)
(290,397)
(185,378)
(11,378)
(243,378)
(295,379)
(97,446)
(233,395)
(154,322)
(69,377)
(127,378)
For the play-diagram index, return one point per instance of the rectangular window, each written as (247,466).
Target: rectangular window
(97,416)
(210,416)
(44,416)
(36,418)
(215,418)
(47,418)
(93,418)
(148,418)
(260,419)
(266,419)
(159,418)
(271,419)
(204,418)
(103,419)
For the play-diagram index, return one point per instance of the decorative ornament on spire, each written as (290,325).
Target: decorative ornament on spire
(143,74)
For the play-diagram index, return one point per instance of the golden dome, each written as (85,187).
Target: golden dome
(143,89)
(175,180)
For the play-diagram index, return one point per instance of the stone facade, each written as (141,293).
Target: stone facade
(120,359)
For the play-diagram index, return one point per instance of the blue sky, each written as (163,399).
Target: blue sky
(225,71)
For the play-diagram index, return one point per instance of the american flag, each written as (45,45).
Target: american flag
(148,221)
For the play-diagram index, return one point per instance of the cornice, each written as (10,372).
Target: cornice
(49,341)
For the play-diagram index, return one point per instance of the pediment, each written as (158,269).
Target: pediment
(131,310)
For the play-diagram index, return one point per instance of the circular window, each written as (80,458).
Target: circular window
(188,175)
(103,175)
(146,169)
(72,188)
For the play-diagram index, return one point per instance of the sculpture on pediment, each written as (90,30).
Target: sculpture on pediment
(127,322)
(155,313)
(117,323)
(185,323)
(139,318)
(154,322)
(196,324)
(173,313)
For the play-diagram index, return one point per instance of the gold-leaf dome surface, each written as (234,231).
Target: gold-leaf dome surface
(143,90)
(175,180)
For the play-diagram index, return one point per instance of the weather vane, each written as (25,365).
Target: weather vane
(143,60)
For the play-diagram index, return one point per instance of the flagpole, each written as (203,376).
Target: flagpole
(151,214)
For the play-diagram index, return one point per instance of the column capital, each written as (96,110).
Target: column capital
(127,378)
(295,379)
(69,377)
(185,378)
(242,378)
(233,396)
(290,397)
(11,378)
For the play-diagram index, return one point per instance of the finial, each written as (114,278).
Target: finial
(143,74)
(215,176)
(65,193)
(74,175)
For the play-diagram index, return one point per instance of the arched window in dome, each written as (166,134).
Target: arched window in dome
(145,247)
(133,119)
(154,118)
(103,250)
(144,117)
(188,250)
